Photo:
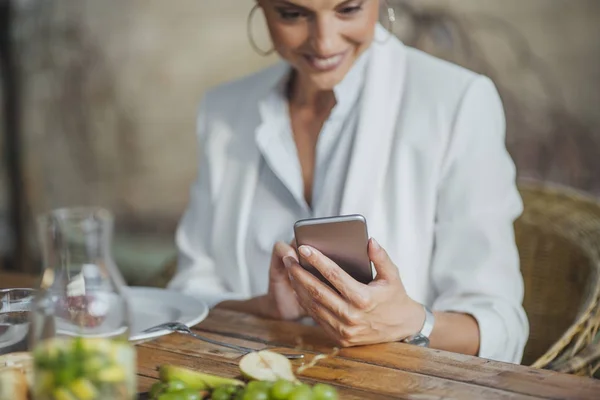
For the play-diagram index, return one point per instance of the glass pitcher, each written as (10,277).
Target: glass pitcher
(80,320)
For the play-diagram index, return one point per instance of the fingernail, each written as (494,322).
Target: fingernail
(287,261)
(376,245)
(305,251)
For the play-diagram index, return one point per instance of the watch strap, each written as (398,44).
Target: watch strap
(422,337)
(429,322)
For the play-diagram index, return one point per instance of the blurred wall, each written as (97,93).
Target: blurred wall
(112,97)
(545,57)
(562,34)
(112,88)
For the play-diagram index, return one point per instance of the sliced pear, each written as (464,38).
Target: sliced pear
(83,389)
(63,394)
(195,379)
(13,385)
(112,374)
(267,365)
(22,361)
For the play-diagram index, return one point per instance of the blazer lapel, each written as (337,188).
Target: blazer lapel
(242,169)
(377,124)
(231,215)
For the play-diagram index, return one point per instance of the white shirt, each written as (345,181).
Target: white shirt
(428,168)
(279,197)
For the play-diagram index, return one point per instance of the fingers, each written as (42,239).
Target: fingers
(322,316)
(318,294)
(338,327)
(386,269)
(354,291)
(281,250)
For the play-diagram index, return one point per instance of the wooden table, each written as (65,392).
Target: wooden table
(390,371)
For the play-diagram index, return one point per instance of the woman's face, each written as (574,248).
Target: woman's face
(321,39)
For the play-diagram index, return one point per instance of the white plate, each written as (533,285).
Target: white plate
(152,306)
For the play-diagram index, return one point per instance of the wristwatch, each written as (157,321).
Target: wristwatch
(421,338)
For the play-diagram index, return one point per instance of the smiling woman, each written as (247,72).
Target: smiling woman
(352,121)
(321,40)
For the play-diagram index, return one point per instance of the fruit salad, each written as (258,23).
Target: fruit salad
(84,369)
(269,375)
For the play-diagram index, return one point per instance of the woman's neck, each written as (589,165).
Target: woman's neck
(302,94)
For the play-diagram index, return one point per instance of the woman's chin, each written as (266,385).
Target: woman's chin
(326,81)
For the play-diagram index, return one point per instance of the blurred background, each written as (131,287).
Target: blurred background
(100,100)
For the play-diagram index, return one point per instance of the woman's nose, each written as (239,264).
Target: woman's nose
(323,35)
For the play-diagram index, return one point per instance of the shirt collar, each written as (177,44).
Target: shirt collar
(274,108)
(274,137)
(346,92)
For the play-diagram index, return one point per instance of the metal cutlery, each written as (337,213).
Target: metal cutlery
(182,328)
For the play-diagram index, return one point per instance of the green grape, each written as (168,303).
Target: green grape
(256,394)
(189,394)
(171,396)
(301,392)
(221,393)
(282,389)
(259,385)
(231,389)
(157,389)
(240,395)
(322,391)
(175,386)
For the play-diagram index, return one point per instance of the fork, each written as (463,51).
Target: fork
(182,328)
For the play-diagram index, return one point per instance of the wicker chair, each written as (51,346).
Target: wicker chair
(558,237)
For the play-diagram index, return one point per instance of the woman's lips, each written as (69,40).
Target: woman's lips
(328,63)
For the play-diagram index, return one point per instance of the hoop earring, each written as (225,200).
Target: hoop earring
(391,17)
(251,38)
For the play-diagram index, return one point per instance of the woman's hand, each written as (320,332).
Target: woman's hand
(361,314)
(281,301)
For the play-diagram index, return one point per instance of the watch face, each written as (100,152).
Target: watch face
(420,340)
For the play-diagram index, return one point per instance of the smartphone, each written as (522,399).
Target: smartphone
(344,239)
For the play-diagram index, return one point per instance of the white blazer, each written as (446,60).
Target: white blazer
(429,171)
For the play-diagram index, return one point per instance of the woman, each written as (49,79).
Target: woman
(352,121)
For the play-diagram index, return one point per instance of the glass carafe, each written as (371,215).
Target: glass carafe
(80,318)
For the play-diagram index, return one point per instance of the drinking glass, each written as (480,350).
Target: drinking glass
(15,308)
